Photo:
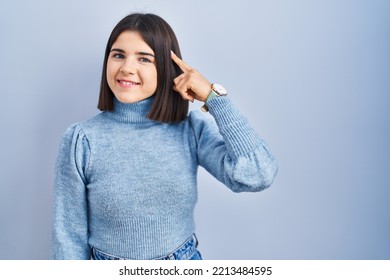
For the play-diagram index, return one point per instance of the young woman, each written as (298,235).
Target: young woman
(125,185)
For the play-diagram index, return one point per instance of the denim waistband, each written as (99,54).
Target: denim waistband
(184,252)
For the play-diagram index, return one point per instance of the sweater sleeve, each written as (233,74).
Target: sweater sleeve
(230,149)
(70,225)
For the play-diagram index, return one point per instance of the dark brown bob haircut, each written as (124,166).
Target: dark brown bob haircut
(168,106)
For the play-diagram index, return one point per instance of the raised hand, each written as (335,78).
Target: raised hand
(190,84)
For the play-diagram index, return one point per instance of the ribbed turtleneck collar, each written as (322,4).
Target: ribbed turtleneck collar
(134,113)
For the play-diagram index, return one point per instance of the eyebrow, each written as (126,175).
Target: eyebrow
(138,53)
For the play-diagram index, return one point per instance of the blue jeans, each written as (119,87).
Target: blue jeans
(187,251)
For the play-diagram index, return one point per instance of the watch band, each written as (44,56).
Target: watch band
(212,94)
(215,91)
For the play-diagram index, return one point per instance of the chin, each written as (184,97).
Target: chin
(126,99)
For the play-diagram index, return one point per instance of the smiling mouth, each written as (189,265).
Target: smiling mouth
(127,83)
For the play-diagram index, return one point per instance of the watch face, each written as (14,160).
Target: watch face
(220,90)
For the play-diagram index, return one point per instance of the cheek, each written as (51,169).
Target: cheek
(149,78)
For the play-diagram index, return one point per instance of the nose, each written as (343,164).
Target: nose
(129,66)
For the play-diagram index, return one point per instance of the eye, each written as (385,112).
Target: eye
(145,59)
(118,56)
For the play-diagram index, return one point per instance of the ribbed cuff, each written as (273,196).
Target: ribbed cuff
(234,127)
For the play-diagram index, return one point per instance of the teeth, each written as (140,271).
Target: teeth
(128,83)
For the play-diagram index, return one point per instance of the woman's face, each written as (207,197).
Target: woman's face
(131,68)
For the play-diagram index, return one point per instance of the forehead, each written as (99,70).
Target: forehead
(131,41)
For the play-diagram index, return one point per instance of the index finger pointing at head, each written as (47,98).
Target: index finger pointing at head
(182,65)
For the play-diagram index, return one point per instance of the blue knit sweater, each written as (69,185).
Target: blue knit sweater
(127,185)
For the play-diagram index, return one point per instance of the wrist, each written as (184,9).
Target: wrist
(215,92)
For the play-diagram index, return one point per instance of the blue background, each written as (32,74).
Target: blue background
(313,78)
